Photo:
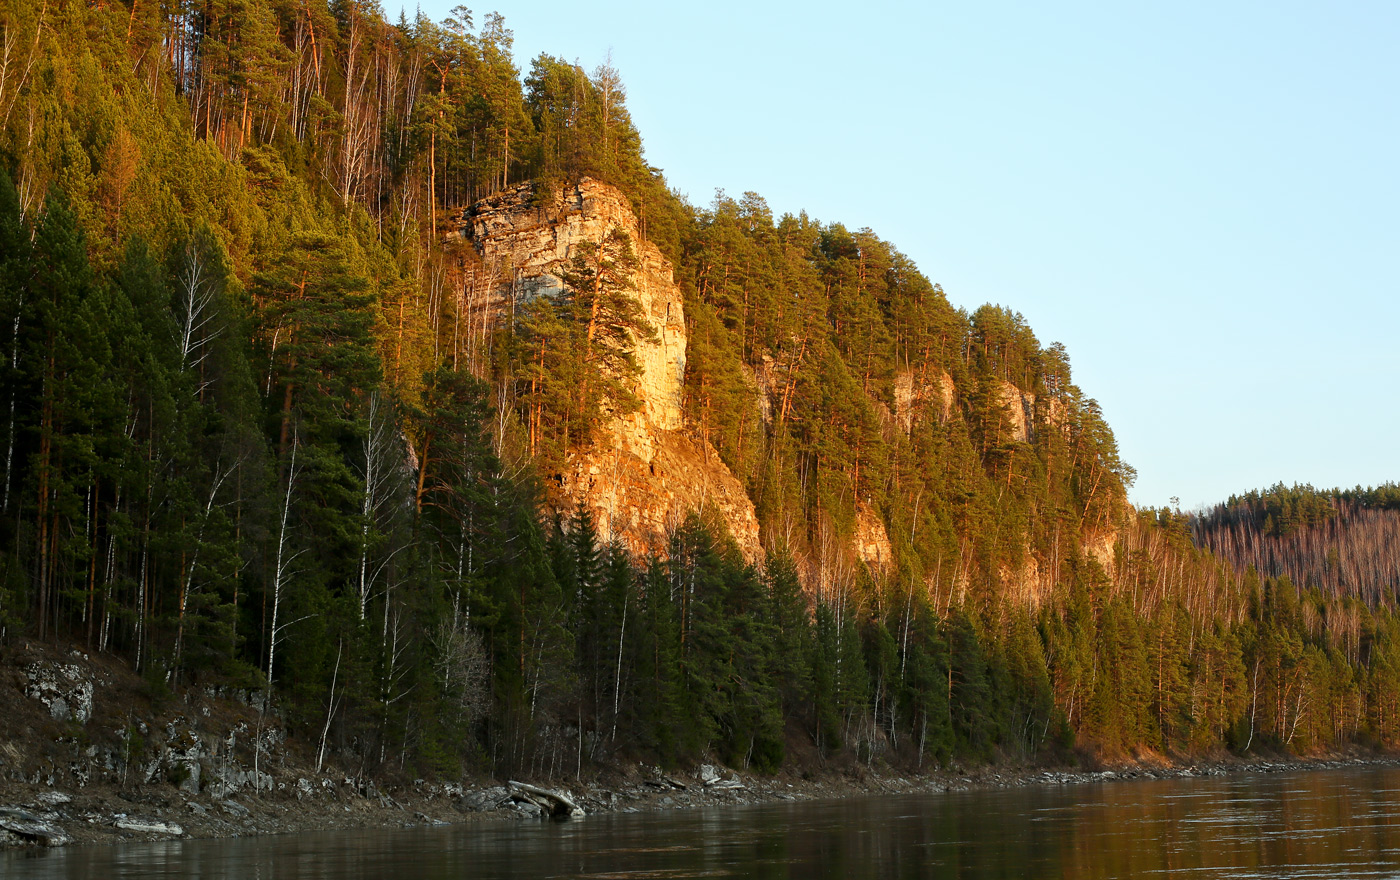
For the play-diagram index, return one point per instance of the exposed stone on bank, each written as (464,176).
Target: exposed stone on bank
(26,826)
(65,689)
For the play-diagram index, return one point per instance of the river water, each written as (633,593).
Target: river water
(1327,823)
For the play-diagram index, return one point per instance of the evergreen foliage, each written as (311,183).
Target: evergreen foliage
(253,438)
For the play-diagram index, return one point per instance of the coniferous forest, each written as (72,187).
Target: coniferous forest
(248,444)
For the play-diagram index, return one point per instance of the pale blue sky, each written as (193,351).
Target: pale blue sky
(1199,201)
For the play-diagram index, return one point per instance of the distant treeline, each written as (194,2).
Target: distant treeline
(1345,542)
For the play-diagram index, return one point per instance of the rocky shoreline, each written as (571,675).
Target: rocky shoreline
(37,815)
(88,757)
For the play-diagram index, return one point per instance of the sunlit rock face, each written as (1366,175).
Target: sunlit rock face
(871,541)
(525,245)
(648,472)
(920,394)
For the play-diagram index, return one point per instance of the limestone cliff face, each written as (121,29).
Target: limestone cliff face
(525,245)
(1020,409)
(919,391)
(1100,545)
(647,473)
(922,394)
(872,541)
(1026,584)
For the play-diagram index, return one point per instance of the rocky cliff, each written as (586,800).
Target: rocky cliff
(648,472)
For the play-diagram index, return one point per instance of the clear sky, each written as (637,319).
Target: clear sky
(1198,199)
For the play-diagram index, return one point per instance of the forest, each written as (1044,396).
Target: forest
(1346,542)
(247,445)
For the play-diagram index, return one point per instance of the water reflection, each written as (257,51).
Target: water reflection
(1312,824)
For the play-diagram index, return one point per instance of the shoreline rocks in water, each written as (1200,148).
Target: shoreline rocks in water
(37,816)
(26,826)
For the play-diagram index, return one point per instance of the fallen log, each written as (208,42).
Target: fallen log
(725,785)
(149,826)
(560,803)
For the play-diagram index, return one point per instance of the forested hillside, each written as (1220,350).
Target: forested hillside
(1343,542)
(256,437)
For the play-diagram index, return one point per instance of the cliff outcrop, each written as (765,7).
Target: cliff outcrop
(1020,411)
(917,392)
(648,472)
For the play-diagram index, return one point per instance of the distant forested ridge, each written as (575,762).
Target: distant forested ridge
(1344,542)
(253,439)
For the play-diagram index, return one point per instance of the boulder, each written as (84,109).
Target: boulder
(485,800)
(31,827)
(53,799)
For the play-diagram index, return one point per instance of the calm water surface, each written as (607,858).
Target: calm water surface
(1340,823)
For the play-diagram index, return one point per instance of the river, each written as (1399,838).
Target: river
(1322,823)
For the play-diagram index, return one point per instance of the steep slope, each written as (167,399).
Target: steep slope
(653,466)
(647,473)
